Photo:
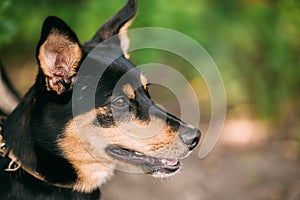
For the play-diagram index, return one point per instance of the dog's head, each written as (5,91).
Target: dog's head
(124,127)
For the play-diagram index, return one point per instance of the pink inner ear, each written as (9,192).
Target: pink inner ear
(59,60)
(59,71)
(59,66)
(63,59)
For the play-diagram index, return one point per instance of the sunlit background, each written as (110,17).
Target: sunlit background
(256,46)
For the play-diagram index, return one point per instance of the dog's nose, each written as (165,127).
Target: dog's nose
(191,138)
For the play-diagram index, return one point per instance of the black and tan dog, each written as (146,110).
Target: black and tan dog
(44,156)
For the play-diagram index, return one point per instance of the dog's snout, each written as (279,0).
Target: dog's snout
(191,138)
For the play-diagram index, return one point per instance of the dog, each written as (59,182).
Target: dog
(42,154)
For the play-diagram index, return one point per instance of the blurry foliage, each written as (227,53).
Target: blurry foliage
(255,44)
(7,25)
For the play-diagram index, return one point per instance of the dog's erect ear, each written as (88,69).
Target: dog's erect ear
(118,24)
(58,55)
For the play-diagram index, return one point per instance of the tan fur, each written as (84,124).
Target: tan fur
(128,90)
(83,144)
(91,172)
(123,37)
(144,81)
(58,44)
(102,110)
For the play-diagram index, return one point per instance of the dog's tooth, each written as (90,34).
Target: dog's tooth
(164,161)
(137,153)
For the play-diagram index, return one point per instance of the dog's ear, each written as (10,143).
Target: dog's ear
(58,54)
(118,24)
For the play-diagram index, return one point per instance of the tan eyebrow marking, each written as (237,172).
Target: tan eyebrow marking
(144,81)
(128,90)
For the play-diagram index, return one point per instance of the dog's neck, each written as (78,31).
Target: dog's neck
(32,139)
(16,131)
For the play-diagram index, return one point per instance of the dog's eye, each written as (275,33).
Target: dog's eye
(120,102)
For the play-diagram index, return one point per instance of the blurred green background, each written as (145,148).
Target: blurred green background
(255,44)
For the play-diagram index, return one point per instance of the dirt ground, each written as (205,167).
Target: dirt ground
(247,163)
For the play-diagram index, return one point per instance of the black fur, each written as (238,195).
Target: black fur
(20,185)
(33,129)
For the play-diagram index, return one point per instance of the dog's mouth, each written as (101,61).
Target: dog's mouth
(150,164)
